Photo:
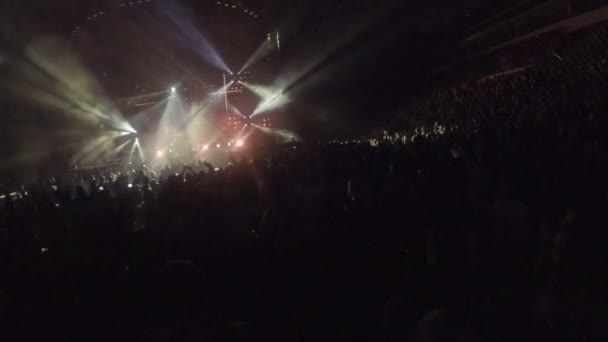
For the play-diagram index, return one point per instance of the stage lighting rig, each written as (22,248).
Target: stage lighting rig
(238,77)
(234,83)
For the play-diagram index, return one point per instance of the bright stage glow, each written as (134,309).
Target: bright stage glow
(275,101)
(120,147)
(206,147)
(223,90)
(95,147)
(136,146)
(160,153)
(239,143)
(262,91)
(314,66)
(218,145)
(270,97)
(173,89)
(51,76)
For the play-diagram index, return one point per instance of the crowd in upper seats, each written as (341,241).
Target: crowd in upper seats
(561,94)
(485,222)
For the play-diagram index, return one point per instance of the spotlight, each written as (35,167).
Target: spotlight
(173,89)
(130,185)
(206,147)
(160,153)
(239,143)
(219,145)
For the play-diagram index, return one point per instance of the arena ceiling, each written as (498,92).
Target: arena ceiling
(127,42)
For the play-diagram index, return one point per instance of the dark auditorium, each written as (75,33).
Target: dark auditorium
(303,170)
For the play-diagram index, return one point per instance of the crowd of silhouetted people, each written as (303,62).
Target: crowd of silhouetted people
(486,222)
